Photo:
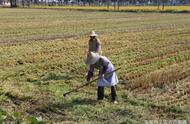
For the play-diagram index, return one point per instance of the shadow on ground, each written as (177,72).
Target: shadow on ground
(56,111)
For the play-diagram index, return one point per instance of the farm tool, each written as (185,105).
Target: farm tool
(86,84)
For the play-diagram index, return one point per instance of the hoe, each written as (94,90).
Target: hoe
(86,84)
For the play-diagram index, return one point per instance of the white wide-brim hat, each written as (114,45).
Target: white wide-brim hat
(93,34)
(92,58)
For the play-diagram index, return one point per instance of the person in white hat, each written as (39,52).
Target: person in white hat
(96,61)
(94,43)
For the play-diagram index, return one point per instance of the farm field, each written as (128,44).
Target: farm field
(42,56)
(167,9)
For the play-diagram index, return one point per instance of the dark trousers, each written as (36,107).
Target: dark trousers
(101,93)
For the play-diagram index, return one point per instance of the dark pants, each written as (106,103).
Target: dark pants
(101,93)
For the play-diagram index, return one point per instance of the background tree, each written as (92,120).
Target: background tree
(108,4)
(118,4)
(13,3)
(23,3)
(115,1)
(28,2)
(158,4)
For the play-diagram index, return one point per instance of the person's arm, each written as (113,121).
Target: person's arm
(103,68)
(90,73)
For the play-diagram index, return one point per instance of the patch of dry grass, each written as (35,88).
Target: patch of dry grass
(164,76)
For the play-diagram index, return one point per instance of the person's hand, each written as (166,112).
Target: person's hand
(87,81)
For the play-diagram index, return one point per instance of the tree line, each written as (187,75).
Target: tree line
(108,3)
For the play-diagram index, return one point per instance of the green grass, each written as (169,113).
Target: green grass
(42,56)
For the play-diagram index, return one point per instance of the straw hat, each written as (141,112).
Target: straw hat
(93,34)
(92,58)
